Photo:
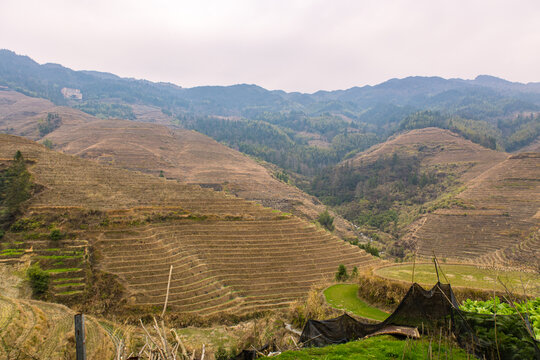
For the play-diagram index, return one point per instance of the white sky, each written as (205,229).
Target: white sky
(294,45)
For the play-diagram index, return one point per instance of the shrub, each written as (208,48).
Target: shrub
(370,249)
(221,354)
(282,176)
(56,234)
(341,274)
(326,220)
(48,143)
(354,273)
(49,124)
(39,280)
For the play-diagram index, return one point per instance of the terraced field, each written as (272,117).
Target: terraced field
(500,223)
(226,265)
(38,330)
(150,147)
(436,147)
(228,254)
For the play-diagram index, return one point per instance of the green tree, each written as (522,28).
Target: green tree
(48,125)
(341,274)
(326,220)
(39,280)
(15,188)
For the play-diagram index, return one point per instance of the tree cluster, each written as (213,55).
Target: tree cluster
(15,189)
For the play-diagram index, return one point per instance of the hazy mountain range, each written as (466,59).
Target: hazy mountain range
(455,95)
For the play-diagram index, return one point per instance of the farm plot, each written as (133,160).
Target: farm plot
(34,329)
(228,254)
(499,224)
(235,266)
(465,276)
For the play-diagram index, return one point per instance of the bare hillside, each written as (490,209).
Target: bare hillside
(498,222)
(437,147)
(179,154)
(20,115)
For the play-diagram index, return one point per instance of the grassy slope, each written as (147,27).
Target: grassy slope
(379,347)
(463,275)
(344,296)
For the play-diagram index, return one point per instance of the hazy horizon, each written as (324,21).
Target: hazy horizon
(302,46)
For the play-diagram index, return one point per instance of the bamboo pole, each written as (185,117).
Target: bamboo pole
(167,296)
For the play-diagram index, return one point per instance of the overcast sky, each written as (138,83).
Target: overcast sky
(294,45)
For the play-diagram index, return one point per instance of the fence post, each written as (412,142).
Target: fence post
(80,342)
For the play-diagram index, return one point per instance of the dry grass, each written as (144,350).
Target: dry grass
(501,228)
(229,255)
(33,329)
(150,147)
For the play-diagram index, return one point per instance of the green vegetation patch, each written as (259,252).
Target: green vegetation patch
(530,309)
(15,189)
(70,292)
(11,252)
(379,347)
(464,275)
(344,297)
(39,280)
(55,257)
(68,285)
(65,270)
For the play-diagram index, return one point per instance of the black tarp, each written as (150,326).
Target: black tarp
(420,308)
(431,311)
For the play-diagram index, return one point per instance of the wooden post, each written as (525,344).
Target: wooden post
(80,342)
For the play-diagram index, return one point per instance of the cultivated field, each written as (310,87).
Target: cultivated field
(436,147)
(38,330)
(464,276)
(498,223)
(228,254)
(152,148)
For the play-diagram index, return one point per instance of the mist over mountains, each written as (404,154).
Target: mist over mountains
(454,95)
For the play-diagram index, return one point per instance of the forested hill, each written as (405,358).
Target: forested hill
(483,96)
(299,132)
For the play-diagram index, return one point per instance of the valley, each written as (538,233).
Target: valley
(229,213)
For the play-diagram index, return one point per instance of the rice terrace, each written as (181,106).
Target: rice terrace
(393,216)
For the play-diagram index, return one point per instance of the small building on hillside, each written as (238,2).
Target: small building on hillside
(71,93)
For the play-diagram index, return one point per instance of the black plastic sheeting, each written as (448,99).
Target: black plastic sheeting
(430,311)
(420,308)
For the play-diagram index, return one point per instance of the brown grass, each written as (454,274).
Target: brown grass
(228,254)
(149,146)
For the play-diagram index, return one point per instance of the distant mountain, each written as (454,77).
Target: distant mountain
(22,73)
(299,132)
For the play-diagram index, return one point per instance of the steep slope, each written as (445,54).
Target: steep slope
(500,220)
(390,184)
(39,330)
(489,216)
(436,147)
(475,204)
(21,115)
(180,154)
(227,254)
